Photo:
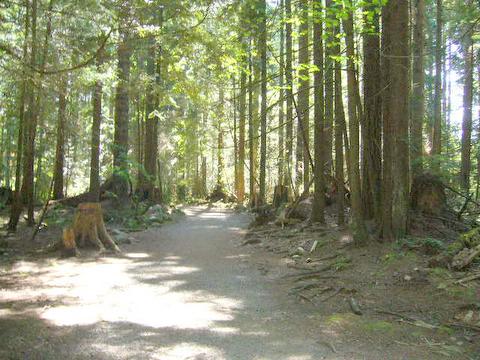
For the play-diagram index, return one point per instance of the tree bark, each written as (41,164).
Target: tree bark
(372,122)
(318,206)
(437,117)
(60,147)
(398,112)
(418,98)
(220,144)
(151,125)
(120,141)
(17,203)
(339,127)
(281,103)
(388,128)
(88,225)
(235,133)
(303,128)
(467,113)
(263,105)
(28,186)
(241,132)
(358,226)
(95,138)
(289,94)
(329,87)
(251,135)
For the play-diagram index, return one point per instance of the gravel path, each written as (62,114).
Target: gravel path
(186,290)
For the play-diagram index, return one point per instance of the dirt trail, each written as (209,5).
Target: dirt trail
(183,291)
(186,290)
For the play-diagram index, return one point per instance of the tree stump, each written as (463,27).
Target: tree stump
(88,228)
(428,194)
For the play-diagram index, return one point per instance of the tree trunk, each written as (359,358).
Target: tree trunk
(241,134)
(27,189)
(235,133)
(339,126)
(418,98)
(318,206)
(95,139)
(358,226)
(151,125)
(478,130)
(17,203)
(281,102)
(467,113)
(263,106)
(220,144)
(437,117)
(329,87)
(388,128)
(289,93)
(28,186)
(398,112)
(303,129)
(60,148)
(120,141)
(251,145)
(372,122)
(203,171)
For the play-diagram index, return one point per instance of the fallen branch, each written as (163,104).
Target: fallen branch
(354,306)
(308,287)
(338,291)
(306,298)
(402,316)
(464,207)
(329,257)
(463,326)
(297,267)
(44,212)
(251,241)
(465,257)
(468,197)
(307,273)
(468,278)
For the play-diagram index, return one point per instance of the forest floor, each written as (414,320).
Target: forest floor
(205,287)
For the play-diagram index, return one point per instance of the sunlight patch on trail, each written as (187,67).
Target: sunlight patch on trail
(118,290)
(188,351)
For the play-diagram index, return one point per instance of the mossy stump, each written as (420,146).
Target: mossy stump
(88,228)
(428,194)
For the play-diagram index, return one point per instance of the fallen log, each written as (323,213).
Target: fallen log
(465,257)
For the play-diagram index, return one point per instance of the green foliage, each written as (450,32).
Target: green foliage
(468,240)
(341,263)
(427,244)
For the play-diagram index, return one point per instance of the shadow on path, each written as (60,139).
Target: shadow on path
(183,291)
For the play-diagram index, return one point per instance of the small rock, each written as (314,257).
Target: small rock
(407,278)
(308,260)
(298,251)
(121,237)
(296,256)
